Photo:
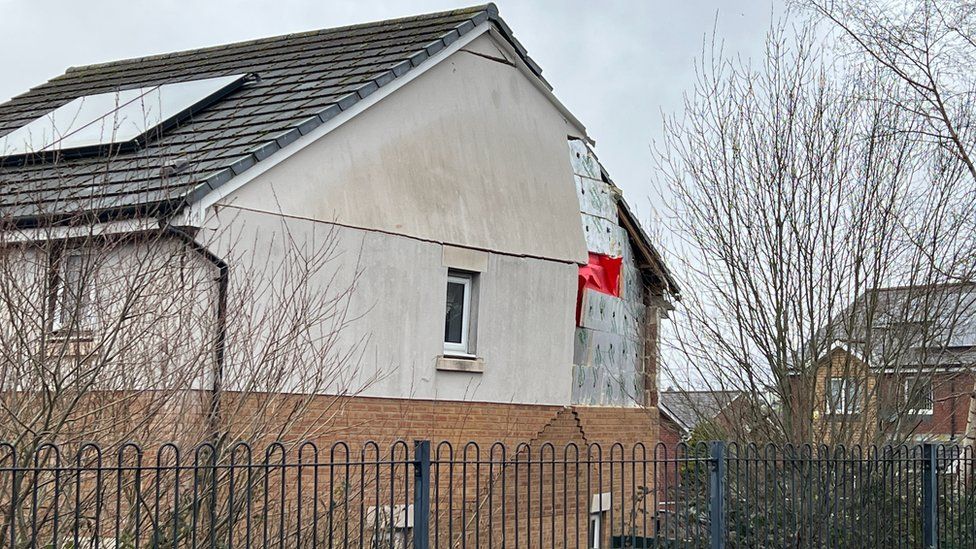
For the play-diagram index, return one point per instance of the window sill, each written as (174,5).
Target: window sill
(81,336)
(461,363)
(842,416)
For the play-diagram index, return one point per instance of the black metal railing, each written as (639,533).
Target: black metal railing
(421,495)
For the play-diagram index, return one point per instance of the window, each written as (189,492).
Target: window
(460,311)
(71,291)
(842,396)
(119,117)
(919,396)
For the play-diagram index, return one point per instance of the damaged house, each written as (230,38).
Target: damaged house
(404,206)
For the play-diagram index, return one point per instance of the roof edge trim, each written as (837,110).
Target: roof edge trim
(663,408)
(654,257)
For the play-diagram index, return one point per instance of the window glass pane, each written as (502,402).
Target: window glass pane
(918,394)
(454,322)
(834,395)
(112,117)
(852,401)
(70,287)
(73,296)
(843,396)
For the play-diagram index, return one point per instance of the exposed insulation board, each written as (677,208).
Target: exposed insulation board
(606,349)
(584,161)
(607,370)
(633,286)
(608,353)
(603,236)
(595,198)
(607,313)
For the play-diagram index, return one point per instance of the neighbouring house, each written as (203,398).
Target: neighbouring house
(682,412)
(499,287)
(687,418)
(899,366)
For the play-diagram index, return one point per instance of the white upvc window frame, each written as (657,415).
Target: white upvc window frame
(462,348)
(912,383)
(849,401)
(85,319)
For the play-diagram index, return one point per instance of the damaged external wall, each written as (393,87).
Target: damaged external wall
(609,354)
(469,155)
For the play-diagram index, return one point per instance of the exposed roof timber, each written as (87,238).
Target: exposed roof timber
(654,260)
(653,263)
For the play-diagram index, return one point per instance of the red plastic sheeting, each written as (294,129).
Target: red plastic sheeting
(602,274)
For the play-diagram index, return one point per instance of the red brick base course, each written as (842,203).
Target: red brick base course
(356,420)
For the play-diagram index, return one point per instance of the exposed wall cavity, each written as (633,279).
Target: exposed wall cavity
(609,354)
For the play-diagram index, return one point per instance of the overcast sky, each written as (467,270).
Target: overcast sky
(616,65)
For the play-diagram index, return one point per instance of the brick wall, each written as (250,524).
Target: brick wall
(548,484)
(669,433)
(531,486)
(873,423)
(355,420)
(949,410)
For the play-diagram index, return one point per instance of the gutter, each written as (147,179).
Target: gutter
(220,338)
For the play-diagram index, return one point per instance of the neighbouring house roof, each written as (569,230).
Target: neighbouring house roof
(690,408)
(909,327)
(300,82)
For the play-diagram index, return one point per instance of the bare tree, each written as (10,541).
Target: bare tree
(110,337)
(116,330)
(796,195)
(926,50)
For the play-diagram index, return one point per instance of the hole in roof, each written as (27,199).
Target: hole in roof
(119,119)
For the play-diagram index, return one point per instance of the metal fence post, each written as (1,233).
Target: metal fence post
(930,508)
(716,494)
(421,494)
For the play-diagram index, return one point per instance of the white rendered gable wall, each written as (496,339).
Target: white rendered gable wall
(472,155)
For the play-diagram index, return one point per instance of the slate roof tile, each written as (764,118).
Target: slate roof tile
(304,80)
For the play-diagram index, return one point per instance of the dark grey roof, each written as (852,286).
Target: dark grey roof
(690,408)
(304,80)
(909,326)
